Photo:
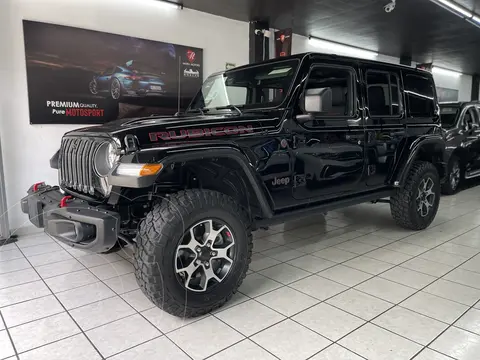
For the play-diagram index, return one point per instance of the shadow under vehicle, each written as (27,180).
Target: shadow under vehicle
(259,145)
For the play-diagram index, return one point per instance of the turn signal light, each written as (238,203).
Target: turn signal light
(150,169)
(138,170)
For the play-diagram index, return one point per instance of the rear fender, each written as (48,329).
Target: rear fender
(428,148)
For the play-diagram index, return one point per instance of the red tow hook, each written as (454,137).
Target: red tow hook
(37,185)
(63,202)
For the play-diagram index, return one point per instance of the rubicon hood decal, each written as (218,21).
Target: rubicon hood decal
(198,133)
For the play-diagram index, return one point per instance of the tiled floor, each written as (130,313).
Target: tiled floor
(350,286)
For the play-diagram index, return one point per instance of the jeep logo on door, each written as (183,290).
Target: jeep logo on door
(281,181)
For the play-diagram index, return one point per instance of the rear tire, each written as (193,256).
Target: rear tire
(455,176)
(161,236)
(415,205)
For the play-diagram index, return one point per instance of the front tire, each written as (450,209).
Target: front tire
(191,280)
(455,175)
(415,205)
(115,89)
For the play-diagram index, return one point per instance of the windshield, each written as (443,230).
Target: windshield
(260,86)
(448,115)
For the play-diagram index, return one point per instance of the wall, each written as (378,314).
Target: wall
(463,83)
(26,148)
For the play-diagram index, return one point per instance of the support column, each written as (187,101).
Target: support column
(259,45)
(475,87)
(406,60)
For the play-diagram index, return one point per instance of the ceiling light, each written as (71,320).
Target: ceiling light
(170,4)
(441,71)
(476,19)
(342,49)
(451,5)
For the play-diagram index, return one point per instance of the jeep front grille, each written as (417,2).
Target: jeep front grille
(76,164)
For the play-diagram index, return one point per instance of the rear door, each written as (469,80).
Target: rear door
(385,120)
(330,155)
(471,127)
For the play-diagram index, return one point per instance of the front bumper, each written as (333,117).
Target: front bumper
(76,224)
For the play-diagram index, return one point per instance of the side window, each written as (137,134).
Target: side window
(383,94)
(420,94)
(470,118)
(329,92)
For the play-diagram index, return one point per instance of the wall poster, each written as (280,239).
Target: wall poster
(283,42)
(446,94)
(78,76)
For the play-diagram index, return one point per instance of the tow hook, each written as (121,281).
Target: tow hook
(63,202)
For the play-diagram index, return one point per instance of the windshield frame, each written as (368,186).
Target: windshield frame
(458,114)
(247,107)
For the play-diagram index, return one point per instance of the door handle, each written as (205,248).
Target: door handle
(354,122)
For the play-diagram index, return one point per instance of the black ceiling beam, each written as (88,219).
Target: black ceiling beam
(475,87)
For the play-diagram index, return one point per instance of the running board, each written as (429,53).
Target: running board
(322,208)
(472,174)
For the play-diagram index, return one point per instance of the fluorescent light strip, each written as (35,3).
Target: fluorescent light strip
(342,49)
(456,8)
(442,71)
(169,4)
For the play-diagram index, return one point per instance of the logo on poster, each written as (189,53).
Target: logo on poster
(191,73)
(191,55)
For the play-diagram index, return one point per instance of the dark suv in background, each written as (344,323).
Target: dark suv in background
(461,123)
(259,145)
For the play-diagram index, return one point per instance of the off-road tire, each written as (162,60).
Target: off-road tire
(447,188)
(159,235)
(403,203)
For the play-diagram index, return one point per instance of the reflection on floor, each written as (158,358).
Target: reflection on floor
(351,285)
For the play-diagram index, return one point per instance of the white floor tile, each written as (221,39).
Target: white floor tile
(470,321)
(7,255)
(92,260)
(249,317)
(356,247)
(457,249)
(428,354)
(111,270)
(16,294)
(458,343)
(245,349)
(59,268)
(328,321)
(6,347)
(138,300)
(444,257)
(359,304)
(283,253)
(14,265)
(311,263)
(408,277)
(411,325)
(464,277)
(386,290)
(345,275)
(406,248)
(43,331)
(336,352)
(454,291)
(287,301)
(388,256)
(290,341)
(375,343)
(27,311)
(50,257)
(41,249)
(435,307)
(256,284)
(84,295)
(122,284)
(318,287)
(471,265)
(122,334)
(73,348)
(284,273)
(335,254)
(18,278)
(427,267)
(368,265)
(211,333)
(261,262)
(375,240)
(166,322)
(70,281)
(152,350)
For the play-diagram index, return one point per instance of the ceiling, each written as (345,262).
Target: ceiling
(418,28)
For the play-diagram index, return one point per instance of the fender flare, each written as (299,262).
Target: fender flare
(183,154)
(402,169)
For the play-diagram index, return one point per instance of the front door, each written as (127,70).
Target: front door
(471,130)
(329,152)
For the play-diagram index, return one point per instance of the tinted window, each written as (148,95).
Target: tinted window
(383,94)
(336,81)
(448,115)
(420,94)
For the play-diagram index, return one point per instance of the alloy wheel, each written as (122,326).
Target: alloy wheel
(115,89)
(455,176)
(205,255)
(425,197)
(93,87)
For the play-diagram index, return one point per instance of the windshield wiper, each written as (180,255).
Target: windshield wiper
(230,107)
(200,110)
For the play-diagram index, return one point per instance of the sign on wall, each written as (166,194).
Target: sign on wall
(446,94)
(78,76)
(283,43)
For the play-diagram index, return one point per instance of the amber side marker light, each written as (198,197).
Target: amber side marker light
(138,170)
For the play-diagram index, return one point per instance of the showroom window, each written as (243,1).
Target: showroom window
(420,96)
(338,81)
(383,94)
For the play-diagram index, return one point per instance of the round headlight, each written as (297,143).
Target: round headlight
(106,157)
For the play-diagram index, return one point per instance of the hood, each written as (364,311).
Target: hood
(157,129)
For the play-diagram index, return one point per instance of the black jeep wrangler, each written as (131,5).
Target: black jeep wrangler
(259,144)
(461,123)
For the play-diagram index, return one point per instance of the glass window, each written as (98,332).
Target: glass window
(448,115)
(383,94)
(258,86)
(420,94)
(338,83)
